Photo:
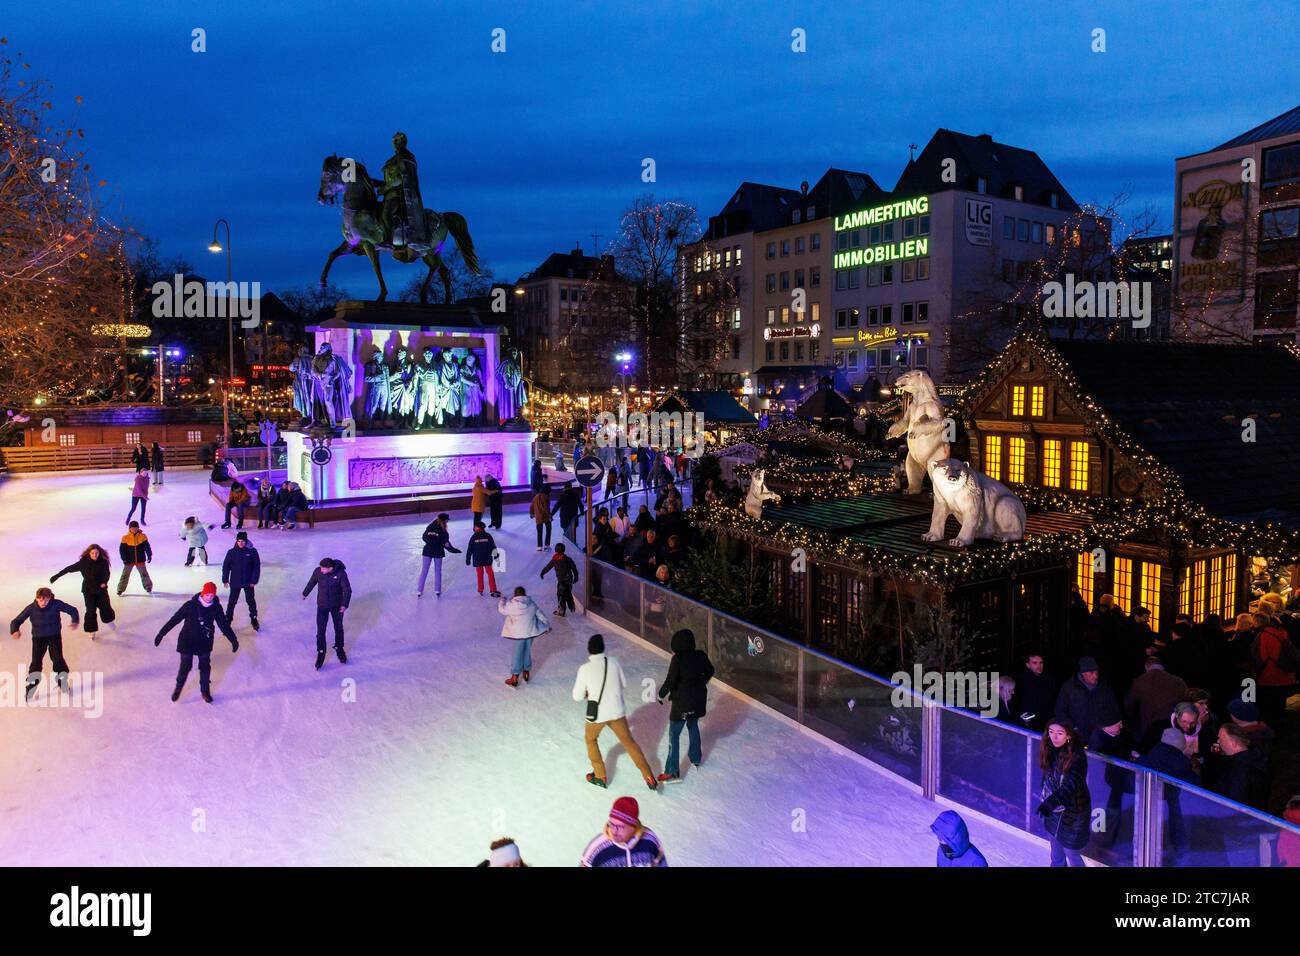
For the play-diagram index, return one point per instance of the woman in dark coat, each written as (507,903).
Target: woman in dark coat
(686,686)
(1067,806)
(95,573)
(156,462)
(140,457)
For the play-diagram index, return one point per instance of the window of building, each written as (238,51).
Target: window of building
(816,312)
(735,319)
(922,354)
(886,275)
(853,358)
(564,292)
(1022,230)
(771,250)
(1277,224)
(737,255)
(795,216)
(873,275)
(923,268)
(1078,466)
(873,315)
(812,213)
(1229,608)
(981,185)
(798,245)
(993,456)
(770,351)
(875,235)
(67,439)
(798,278)
(815,276)
(785,351)
(1050,234)
(1083,577)
(1122,586)
(1016,459)
(909,270)
(132,438)
(1036,232)
(1008,270)
(1054,200)
(798,351)
(841,280)
(785,282)
(923,226)
(855,278)
(842,241)
(1019,193)
(815,241)
(1216,585)
(771,315)
(1275,299)
(785,315)
(1008,227)
(1018,400)
(855,238)
(841,318)
(908,313)
(922,312)
(1281,165)
(1037,401)
(771,282)
(909,228)
(785,247)
(884,358)
(888,231)
(813,347)
(886,315)
(1198,589)
(1149,592)
(1051,463)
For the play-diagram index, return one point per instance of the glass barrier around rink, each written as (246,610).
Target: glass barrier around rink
(619,597)
(988,767)
(1200,828)
(756,663)
(858,711)
(665,613)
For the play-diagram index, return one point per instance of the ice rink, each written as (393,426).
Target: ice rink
(424,760)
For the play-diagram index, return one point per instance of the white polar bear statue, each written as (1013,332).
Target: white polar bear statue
(986,508)
(758,493)
(923,423)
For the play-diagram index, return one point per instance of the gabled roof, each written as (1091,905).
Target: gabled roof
(575,265)
(754,207)
(825,403)
(717,407)
(843,190)
(1004,167)
(1286,123)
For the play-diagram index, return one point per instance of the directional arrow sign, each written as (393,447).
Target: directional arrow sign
(590,470)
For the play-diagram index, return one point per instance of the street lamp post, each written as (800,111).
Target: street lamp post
(215,246)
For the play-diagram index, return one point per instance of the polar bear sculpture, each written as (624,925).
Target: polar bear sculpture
(986,508)
(758,493)
(923,423)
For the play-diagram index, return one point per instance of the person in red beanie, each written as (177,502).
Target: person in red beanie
(625,841)
(199,617)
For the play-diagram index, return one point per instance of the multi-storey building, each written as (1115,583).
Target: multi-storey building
(1237,237)
(936,274)
(573,317)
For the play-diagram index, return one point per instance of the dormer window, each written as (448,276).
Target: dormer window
(981,185)
(1053,200)
(1019,192)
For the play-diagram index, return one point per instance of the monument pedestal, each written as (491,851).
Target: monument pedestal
(409,472)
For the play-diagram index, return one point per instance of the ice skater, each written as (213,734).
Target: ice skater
(47,635)
(478,552)
(333,595)
(524,622)
(539,509)
(437,542)
(199,618)
(196,536)
(157,461)
(240,572)
(600,683)
(95,573)
(136,553)
(139,494)
(624,841)
(566,574)
(686,686)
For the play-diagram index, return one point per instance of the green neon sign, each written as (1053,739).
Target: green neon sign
(885,252)
(887,212)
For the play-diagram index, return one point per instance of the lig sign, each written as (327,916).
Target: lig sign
(887,251)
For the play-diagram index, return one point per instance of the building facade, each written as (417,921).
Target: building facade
(1237,237)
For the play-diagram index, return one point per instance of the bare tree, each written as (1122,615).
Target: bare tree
(464,283)
(64,274)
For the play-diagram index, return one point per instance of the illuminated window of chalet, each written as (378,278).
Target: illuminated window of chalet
(1216,585)
(1198,590)
(1149,592)
(1037,401)
(1083,577)
(1016,459)
(1017,400)
(1123,586)
(1079,465)
(1229,607)
(1052,463)
(993,456)
(1185,593)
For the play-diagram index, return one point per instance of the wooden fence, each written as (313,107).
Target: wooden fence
(87,457)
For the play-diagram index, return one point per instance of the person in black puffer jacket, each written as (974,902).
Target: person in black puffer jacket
(1083,697)
(566,575)
(47,635)
(199,618)
(437,543)
(689,673)
(240,571)
(478,552)
(1066,808)
(333,595)
(95,573)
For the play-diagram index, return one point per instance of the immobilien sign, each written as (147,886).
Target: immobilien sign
(885,251)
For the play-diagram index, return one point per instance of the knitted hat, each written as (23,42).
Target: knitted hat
(505,855)
(209,590)
(241,536)
(1087,664)
(625,811)
(1244,710)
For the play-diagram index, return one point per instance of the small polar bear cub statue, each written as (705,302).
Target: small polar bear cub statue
(985,508)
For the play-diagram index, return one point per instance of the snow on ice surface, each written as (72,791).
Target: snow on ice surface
(434,759)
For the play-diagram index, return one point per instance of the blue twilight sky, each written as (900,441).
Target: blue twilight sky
(541,146)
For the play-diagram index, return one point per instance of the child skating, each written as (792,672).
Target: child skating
(47,635)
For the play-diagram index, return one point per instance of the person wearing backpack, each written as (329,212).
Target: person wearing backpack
(1275,660)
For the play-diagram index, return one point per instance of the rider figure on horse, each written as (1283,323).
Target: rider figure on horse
(403,209)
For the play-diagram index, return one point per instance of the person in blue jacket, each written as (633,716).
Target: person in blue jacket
(955,848)
(47,636)
(437,545)
(240,572)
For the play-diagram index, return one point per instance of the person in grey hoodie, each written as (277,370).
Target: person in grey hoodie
(524,622)
(47,635)
(333,595)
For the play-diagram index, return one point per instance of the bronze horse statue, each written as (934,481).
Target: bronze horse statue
(364,234)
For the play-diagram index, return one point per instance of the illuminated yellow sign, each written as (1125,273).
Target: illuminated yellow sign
(886,335)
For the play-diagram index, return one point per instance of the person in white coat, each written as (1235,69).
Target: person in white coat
(524,621)
(601,681)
